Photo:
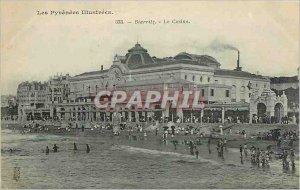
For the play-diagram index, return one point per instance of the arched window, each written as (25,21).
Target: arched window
(201,79)
(208,79)
(233,93)
(185,77)
(193,78)
(242,94)
(242,89)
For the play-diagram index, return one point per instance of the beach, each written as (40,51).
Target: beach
(131,161)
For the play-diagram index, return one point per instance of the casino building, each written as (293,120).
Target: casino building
(229,95)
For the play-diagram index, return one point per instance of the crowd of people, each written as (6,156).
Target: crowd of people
(257,157)
(276,134)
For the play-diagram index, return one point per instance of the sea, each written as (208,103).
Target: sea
(123,162)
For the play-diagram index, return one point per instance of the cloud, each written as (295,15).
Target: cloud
(218,45)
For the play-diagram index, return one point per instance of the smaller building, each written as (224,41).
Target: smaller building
(268,107)
(290,87)
(32,99)
(8,101)
(8,107)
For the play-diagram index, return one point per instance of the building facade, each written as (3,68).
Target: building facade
(227,94)
(32,100)
(8,101)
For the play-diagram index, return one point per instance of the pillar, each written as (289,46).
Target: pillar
(51,111)
(19,113)
(136,114)
(129,116)
(76,114)
(223,115)
(201,116)
(91,113)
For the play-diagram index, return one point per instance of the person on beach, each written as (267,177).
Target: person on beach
(47,150)
(284,160)
(75,147)
(241,151)
(82,128)
(197,153)
(191,148)
(208,145)
(258,157)
(267,160)
(87,148)
(263,158)
(252,154)
(222,150)
(55,148)
(173,130)
(245,150)
(292,157)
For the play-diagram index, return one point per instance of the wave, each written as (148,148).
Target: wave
(157,152)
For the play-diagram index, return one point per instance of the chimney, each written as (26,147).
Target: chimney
(238,68)
(101,67)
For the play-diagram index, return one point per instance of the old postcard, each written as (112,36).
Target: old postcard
(149,95)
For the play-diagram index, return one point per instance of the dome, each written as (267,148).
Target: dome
(137,47)
(137,56)
(207,59)
(203,59)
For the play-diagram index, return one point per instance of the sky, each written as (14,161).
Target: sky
(35,47)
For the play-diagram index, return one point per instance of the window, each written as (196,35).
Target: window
(242,95)
(265,86)
(193,78)
(201,79)
(233,92)
(242,89)
(212,92)
(185,77)
(202,92)
(208,79)
(227,93)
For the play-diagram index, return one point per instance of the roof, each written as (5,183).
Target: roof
(137,47)
(205,59)
(92,73)
(278,80)
(237,74)
(170,62)
(137,56)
